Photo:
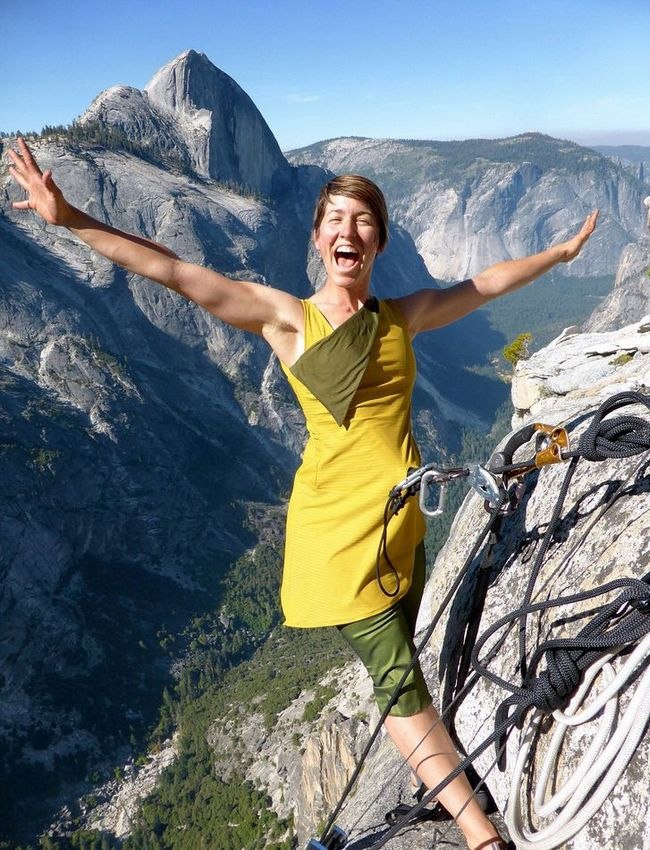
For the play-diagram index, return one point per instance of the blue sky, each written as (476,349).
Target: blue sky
(382,68)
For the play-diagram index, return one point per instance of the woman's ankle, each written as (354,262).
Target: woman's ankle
(497,843)
(481,835)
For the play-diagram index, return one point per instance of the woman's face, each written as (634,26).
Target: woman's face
(347,240)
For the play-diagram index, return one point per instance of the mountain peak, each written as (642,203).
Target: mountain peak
(194,114)
(193,55)
(226,135)
(163,86)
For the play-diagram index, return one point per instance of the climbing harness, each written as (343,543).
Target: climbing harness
(617,628)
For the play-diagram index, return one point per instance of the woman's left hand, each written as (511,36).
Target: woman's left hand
(572,247)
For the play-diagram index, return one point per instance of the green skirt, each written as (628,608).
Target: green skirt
(384,643)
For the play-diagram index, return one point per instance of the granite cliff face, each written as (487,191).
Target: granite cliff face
(198,115)
(604,535)
(469,204)
(631,294)
(127,466)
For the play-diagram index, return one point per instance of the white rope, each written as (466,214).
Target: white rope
(600,768)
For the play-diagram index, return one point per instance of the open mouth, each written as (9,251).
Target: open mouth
(346,258)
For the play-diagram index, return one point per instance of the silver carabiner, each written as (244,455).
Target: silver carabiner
(432,477)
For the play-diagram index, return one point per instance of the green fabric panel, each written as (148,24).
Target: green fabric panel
(384,643)
(333,367)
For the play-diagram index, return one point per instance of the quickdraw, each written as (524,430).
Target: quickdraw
(500,478)
(419,480)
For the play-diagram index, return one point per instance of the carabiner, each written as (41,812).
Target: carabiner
(433,476)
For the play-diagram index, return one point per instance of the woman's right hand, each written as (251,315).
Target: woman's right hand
(43,195)
(274,314)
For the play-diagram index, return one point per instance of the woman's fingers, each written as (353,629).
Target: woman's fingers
(18,167)
(18,177)
(589,226)
(24,168)
(27,157)
(43,195)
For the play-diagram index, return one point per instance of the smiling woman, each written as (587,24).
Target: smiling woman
(347,241)
(350,362)
(350,229)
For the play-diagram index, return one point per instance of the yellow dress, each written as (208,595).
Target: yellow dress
(360,445)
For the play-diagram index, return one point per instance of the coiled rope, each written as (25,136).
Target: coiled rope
(620,624)
(602,764)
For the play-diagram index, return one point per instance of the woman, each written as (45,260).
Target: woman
(350,362)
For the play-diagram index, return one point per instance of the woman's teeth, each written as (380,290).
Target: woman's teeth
(346,257)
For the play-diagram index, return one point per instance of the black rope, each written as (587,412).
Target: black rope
(473,620)
(389,511)
(616,438)
(621,437)
(539,560)
(621,623)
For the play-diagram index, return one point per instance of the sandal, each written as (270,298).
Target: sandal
(437,812)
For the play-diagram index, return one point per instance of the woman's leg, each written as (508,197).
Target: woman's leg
(436,756)
(384,643)
(432,756)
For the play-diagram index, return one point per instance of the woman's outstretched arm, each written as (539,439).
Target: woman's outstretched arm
(272,313)
(427,309)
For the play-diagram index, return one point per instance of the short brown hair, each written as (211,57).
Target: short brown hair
(362,189)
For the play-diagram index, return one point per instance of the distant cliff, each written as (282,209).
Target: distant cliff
(469,204)
(635,158)
(630,297)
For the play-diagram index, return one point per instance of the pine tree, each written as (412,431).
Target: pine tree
(518,349)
